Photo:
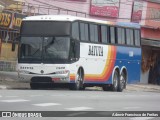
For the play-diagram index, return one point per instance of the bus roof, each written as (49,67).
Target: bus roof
(75,18)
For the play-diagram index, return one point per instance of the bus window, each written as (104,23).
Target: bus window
(93,33)
(121,35)
(112,35)
(84,31)
(40,28)
(104,34)
(75,30)
(131,36)
(137,37)
(128,37)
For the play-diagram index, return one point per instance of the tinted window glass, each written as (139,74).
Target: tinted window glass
(93,33)
(96,33)
(121,35)
(128,40)
(131,37)
(112,34)
(91,27)
(45,28)
(137,37)
(104,34)
(44,49)
(84,31)
(75,31)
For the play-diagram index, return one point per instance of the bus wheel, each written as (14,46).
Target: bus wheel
(115,81)
(79,82)
(34,86)
(122,82)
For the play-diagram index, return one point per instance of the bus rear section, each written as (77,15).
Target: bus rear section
(108,66)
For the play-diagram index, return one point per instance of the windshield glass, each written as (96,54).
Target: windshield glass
(44,49)
(45,28)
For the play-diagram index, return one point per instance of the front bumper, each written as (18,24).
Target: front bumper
(55,78)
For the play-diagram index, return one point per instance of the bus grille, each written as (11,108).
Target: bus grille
(41,79)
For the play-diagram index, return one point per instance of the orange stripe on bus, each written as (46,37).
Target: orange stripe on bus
(72,77)
(110,61)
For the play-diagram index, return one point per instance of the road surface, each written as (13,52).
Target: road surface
(88,100)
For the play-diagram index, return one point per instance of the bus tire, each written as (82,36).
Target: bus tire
(115,81)
(122,82)
(34,86)
(78,85)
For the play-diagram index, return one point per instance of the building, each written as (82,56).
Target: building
(10,21)
(150,33)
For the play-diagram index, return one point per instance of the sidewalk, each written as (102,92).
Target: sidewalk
(143,87)
(8,80)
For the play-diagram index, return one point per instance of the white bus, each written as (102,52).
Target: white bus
(78,52)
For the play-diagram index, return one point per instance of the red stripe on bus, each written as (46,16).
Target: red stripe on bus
(107,71)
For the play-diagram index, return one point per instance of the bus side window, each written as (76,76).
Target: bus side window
(137,37)
(75,31)
(121,35)
(112,35)
(93,32)
(128,40)
(84,31)
(104,34)
(131,37)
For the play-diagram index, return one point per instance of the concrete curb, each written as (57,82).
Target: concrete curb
(3,87)
(143,87)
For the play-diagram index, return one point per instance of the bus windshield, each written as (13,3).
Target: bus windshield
(44,49)
(45,28)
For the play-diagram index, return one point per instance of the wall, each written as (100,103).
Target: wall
(84,7)
(6,52)
(150,30)
(150,33)
(151,23)
(153,15)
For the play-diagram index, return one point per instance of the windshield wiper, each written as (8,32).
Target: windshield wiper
(35,52)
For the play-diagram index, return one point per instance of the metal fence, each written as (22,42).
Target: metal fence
(37,9)
(8,65)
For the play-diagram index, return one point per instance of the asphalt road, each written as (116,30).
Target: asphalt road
(88,100)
